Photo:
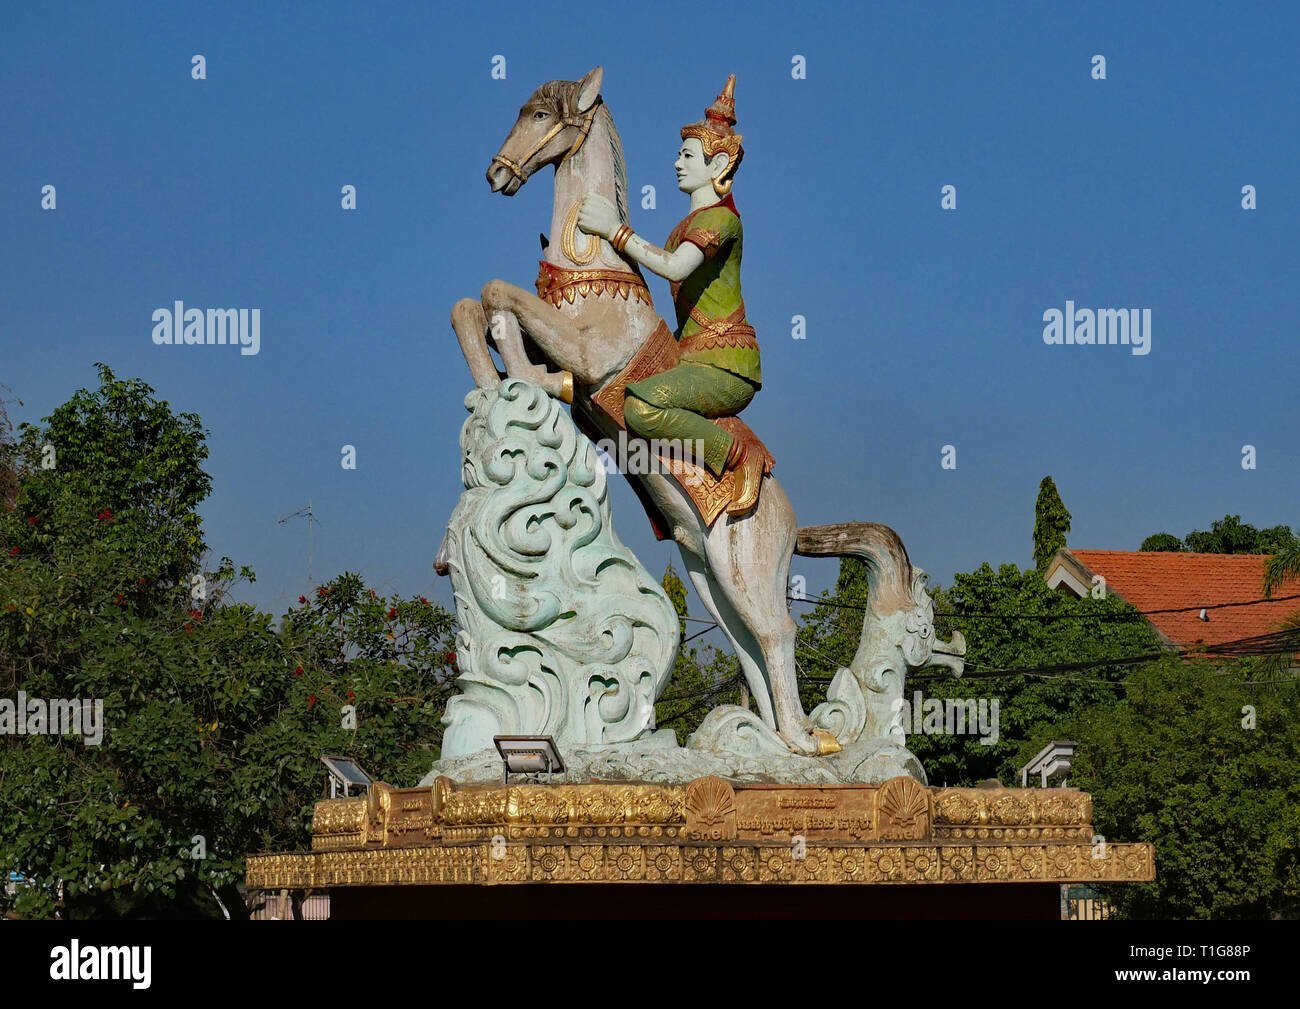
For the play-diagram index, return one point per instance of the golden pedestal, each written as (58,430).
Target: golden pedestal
(900,833)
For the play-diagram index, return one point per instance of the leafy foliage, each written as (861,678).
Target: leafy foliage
(1161,543)
(1051,523)
(1175,764)
(1228,535)
(214,720)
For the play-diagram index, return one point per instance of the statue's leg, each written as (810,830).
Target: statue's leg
(676,404)
(746,648)
(470,324)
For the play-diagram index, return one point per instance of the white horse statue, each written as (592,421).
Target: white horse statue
(592,316)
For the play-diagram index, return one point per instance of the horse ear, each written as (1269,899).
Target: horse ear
(589,89)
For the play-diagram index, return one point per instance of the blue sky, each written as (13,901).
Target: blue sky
(924,325)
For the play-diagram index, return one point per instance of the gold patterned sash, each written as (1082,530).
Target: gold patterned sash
(715,334)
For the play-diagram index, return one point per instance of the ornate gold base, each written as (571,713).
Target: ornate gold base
(706,832)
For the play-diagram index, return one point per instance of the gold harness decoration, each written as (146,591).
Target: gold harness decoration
(556,284)
(569,238)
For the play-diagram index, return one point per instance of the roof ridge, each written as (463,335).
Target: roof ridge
(1173,553)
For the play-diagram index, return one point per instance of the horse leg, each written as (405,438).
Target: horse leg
(754,553)
(746,649)
(510,342)
(470,324)
(555,334)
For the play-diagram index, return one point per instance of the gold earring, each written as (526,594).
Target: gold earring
(721,188)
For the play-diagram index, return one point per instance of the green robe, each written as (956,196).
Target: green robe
(716,381)
(714,287)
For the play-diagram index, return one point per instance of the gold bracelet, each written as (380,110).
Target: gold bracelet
(620,239)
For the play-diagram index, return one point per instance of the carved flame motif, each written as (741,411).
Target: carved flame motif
(709,801)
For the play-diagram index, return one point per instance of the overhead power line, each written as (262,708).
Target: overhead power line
(1062,616)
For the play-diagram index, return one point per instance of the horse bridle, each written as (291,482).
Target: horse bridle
(583,121)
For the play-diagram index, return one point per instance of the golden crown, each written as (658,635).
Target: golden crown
(714,131)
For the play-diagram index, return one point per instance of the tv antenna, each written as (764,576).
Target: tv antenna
(311,523)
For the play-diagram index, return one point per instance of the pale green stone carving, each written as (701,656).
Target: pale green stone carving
(563,631)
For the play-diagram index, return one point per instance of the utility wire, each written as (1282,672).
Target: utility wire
(698,633)
(1060,616)
(1278,643)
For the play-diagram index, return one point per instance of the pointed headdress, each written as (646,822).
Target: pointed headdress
(715,134)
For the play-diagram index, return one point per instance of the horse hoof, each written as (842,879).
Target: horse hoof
(811,743)
(826,742)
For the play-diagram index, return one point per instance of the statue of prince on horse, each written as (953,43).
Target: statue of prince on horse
(591,337)
(719,370)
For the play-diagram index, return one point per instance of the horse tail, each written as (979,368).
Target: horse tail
(889,571)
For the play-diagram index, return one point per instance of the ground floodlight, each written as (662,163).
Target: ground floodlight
(345,772)
(528,755)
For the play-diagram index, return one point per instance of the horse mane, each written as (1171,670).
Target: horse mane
(616,153)
(562,97)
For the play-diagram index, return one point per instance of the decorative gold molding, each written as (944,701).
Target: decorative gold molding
(640,862)
(706,831)
(707,809)
(1012,807)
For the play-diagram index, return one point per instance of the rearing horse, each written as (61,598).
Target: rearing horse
(599,314)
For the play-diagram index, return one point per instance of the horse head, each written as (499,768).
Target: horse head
(552,126)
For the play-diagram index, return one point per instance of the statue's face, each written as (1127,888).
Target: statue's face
(693,170)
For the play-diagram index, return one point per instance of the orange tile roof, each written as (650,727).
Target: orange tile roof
(1163,581)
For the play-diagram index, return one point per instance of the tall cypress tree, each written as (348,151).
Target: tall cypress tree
(1051,523)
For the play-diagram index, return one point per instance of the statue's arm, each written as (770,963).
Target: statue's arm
(672,266)
(598,216)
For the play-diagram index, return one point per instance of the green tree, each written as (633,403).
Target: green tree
(1177,764)
(1284,566)
(1051,523)
(1011,620)
(1228,535)
(391,659)
(213,719)
(139,463)
(1161,543)
(702,678)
